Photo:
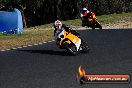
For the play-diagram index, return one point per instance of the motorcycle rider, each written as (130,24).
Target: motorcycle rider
(87,16)
(69,28)
(57,25)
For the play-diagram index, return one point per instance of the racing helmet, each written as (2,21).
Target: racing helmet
(84,9)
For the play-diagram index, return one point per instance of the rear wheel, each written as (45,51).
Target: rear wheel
(98,25)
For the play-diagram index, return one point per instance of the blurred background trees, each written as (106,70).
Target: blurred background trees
(38,12)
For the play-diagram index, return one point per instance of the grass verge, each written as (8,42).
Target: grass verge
(30,36)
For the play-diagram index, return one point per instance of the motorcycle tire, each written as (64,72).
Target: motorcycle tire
(72,49)
(85,47)
(98,25)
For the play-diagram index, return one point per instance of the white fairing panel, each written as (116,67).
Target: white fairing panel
(78,44)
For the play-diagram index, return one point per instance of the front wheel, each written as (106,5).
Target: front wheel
(85,47)
(72,49)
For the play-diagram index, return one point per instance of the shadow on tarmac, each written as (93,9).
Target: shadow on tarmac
(49,52)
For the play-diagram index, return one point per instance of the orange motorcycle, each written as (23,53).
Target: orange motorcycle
(69,39)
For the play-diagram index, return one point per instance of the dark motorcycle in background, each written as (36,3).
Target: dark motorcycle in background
(91,22)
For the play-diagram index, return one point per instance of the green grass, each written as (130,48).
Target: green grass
(76,22)
(28,37)
(114,18)
(45,32)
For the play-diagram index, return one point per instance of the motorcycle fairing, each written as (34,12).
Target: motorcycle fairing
(70,38)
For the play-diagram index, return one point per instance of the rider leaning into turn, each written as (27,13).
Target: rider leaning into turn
(57,25)
(70,29)
(86,16)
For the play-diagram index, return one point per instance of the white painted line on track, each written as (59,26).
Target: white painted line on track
(49,41)
(14,48)
(35,44)
(2,50)
(40,43)
(30,45)
(27,46)
(19,47)
(44,42)
(8,49)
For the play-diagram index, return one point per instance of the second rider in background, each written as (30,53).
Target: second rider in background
(87,16)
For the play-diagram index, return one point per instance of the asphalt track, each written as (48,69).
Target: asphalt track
(46,66)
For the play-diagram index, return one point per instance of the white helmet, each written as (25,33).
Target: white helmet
(84,8)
